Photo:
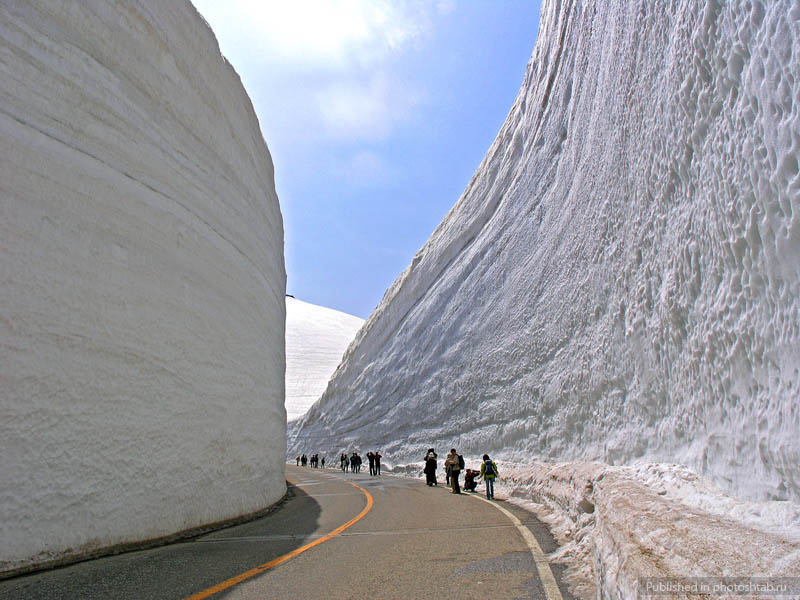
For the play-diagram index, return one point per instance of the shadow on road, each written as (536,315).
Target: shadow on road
(178,570)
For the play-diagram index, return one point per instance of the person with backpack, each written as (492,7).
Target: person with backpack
(489,474)
(455,463)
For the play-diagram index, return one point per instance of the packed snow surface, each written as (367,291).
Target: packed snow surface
(620,280)
(143,282)
(316,339)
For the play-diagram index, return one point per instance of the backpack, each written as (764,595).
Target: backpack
(460,462)
(488,469)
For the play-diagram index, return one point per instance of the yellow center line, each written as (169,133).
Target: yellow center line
(229,583)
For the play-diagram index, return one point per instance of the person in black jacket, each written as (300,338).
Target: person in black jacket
(430,467)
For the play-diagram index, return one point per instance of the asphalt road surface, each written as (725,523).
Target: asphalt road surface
(337,535)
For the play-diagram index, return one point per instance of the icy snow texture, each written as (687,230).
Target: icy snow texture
(316,338)
(141,260)
(620,279)
(616,524)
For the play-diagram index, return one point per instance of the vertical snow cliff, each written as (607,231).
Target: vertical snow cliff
(621,278)
(142,295)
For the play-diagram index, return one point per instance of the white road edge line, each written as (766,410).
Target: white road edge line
(545,574)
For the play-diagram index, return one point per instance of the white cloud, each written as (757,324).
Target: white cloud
(365,110)
(333,33)
(318,66)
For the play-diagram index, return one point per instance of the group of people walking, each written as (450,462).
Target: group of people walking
(453,465)
(350,463)
(354,461)
(313,462)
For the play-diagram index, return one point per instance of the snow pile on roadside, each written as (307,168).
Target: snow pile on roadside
(617,524)
(316,339)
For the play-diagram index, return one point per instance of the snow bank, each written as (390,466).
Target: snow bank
(316,339)
(141,260)
(620,281)
(615,525)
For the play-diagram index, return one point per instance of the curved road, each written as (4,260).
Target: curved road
(409,541)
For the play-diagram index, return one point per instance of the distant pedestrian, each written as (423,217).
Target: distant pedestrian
(344,462)
(298,461)
(489,474)
(323,462)
(377,463)
(454,461)
(304,460)
(430,467)
(371,460)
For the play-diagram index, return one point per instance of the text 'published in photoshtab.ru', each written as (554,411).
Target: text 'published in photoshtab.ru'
(719,586)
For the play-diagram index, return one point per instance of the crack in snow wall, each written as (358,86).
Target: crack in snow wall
(142,320)
(621,278)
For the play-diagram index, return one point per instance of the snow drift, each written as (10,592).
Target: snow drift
(143,282)
(616,525)
(316,339)
(620,280)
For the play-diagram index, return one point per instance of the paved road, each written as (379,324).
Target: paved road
(413,542)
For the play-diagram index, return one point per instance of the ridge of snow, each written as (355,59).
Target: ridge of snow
(616,525)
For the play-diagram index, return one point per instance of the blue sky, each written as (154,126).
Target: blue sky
(376,114)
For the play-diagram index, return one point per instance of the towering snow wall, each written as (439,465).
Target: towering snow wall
(142,295)
(316,339)
(621,278)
